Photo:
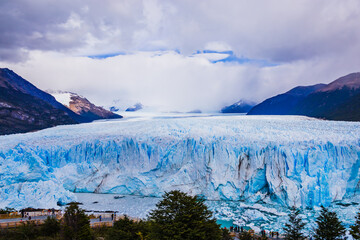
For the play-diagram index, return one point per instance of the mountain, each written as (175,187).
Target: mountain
(113,109)
(136,107)
(83,107)
(283,104)
(121,105)
(339,100)
(25,108)
(238,107)
(24,86)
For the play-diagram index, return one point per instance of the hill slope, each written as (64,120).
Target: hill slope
(20,84)
(338,100)
(283,104)
(24,108)
(82,106)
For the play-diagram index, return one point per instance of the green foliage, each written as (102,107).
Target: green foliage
(127,229)
(100,232)
(76,224)
(51,227)
(329,226)
(27,230)
(180,217)
(355,229)
(7,210)
(226,234)
(245,235)
(295,225)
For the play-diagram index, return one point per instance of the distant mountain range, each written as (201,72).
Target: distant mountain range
(241,106)
(338,100)
(83,107)
(25,108)
(125,105)
(136,107)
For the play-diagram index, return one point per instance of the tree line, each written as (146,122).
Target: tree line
(177,216)
(328,226)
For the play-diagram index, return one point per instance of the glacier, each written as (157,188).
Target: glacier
(281,160)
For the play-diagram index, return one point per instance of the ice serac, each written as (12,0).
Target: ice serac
(26,181)
(280,160)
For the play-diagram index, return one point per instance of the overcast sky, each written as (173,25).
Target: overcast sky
(179,54)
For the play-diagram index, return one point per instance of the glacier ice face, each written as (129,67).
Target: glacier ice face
(40,194)
(26,181)
(283,160)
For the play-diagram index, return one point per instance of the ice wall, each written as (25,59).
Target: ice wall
(26,181)
(283,160)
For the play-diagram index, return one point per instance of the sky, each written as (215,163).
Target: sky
(179,55)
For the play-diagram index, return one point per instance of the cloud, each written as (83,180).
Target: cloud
(212,56)
(276,30)
(268,47)
(166,79)
(218,46)
(171,80)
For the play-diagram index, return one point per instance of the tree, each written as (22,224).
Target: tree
(355,229)
(76,223)
(293,229)
(51,227)
(127,229)
(7,210)
(329,226)
(27,230)
(226,234)
(180,216)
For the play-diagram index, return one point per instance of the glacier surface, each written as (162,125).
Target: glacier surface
(282,160)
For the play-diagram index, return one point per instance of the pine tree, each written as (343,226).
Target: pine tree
(180,217)
(51,226)
(329,226)
(76,224)
(355,229)
(127,229)
(295,225)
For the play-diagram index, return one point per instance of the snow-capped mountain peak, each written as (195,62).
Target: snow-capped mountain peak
(82,106)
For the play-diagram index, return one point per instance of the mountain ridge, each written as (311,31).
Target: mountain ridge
(82,106)
(338,100)
(241,106)
(25,108)
(26,87)
(282,104)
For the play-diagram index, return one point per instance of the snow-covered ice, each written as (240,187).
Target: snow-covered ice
(268,160)
(62,97)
